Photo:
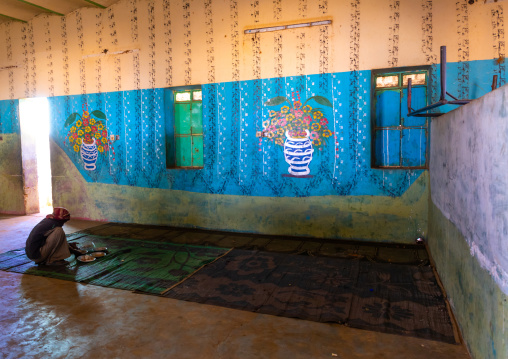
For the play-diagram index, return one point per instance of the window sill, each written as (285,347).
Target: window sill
(398,168)
(184,168)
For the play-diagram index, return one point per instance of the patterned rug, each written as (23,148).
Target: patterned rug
(143,266)
(399,299)
(356,288)
(373,251)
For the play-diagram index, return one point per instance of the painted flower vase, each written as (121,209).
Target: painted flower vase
(298,154)
(89,154)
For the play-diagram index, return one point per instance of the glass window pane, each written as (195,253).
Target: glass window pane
(182,119)
(182,96)
(387,150)
(183,151)
(387,81)
(388,108)
(197,118)
(418,101)
(416,79)
(197,151)
(414,147)
(402,141)
(197,96)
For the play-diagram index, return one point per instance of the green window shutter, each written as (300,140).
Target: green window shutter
(182,119)
(196,123)
(184,136)
(183,151)
(197,151)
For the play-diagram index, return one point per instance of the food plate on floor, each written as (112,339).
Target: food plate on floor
(97,254)
(86,258)
(101,249)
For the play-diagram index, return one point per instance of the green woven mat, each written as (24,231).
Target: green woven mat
(144,266)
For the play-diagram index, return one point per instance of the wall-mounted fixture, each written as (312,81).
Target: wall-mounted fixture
(287,26)
(423,112)
(471,2)
(9,67)
(494,82)
(109,53)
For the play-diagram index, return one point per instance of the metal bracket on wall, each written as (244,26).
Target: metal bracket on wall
(442,101)
(494,82)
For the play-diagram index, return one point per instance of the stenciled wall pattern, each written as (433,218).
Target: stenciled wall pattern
(138,44)
(237,160)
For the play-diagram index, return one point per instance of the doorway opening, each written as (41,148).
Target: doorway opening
(34,123)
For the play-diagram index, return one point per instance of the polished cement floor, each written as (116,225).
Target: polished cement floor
(50,318)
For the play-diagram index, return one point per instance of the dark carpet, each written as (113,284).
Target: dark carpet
(374,251)
(398,299)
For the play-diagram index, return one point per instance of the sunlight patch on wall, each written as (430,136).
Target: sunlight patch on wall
(34,112)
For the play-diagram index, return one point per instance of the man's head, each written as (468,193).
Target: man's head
(60,213)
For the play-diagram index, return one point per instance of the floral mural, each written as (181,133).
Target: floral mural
(235,162)
(299,128)
(88,135)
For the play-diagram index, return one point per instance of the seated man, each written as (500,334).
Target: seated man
(47,243)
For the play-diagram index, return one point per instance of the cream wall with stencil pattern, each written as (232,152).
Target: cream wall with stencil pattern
(202,41)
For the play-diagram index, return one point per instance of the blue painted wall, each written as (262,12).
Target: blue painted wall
(11,180)
(236,161)
(9,116)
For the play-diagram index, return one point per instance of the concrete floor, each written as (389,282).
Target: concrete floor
(50,318)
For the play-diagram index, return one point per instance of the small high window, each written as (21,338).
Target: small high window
(399,141)
(184,127)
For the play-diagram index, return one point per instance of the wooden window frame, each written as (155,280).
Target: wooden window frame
(400,71)
(170,103)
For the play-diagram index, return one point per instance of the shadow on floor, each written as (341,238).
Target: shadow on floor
(376,252)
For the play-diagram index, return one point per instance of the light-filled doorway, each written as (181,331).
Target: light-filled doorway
(34,123)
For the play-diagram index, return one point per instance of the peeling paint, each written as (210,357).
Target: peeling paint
(478,303)
(372,218)
(469,179)
(11,179)
(468,219)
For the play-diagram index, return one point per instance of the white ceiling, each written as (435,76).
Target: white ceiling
(25,10)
